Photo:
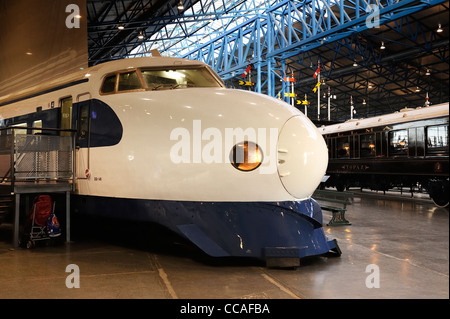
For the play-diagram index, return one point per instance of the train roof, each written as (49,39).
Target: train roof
(99,70)
(402,116)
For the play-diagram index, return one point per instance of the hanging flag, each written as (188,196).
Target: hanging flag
(317,72)
(289,79)
(247,70)
(305,102)
(317,86)
(247,83)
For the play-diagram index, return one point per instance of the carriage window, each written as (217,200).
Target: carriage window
(437,137)
(367,145)
(109,84)
(343,148)
(398,142)
(37,124)
(20,131)
(129,81)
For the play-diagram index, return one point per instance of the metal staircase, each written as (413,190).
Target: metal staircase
(41,163)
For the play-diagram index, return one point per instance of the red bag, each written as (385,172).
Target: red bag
(42,207)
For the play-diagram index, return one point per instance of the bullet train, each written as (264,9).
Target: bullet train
(163,140)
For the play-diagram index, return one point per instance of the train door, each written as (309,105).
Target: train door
(83,121)
(66,115)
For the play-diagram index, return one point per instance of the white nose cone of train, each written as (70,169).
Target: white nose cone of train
(302,157)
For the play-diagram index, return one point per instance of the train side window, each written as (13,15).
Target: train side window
(368,145)
(379,144)
(129,81)
(437,138)
(37,124)
(343,147)
(109,84)
(20,131)
(398,142)
(420,141)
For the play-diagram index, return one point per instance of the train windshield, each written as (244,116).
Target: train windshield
(179,77)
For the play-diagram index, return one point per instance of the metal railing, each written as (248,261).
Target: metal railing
(47,155)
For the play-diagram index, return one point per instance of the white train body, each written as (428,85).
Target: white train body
(175,144)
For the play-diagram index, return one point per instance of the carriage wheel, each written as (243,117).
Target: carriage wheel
(440,200)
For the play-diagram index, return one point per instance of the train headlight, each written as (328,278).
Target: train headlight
(246,156)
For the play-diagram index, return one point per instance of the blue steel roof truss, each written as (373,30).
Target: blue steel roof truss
(279,37)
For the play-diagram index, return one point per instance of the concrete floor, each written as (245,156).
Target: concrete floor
(406,239)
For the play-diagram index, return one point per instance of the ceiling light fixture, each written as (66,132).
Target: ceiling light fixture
(120,27)
(140,36)
(355,64)
(439,28)
(180,5)
(382,45)
(428,72)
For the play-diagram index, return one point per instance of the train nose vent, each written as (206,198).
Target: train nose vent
(302,157)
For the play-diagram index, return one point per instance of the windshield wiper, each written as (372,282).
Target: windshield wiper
(157,87)
(172,86)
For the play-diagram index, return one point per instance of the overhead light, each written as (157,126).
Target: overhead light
(140,36)
(439,28)
(364,102)
(428,72)
(180,5)
(120,27)
(417,89)
(369,86)
(382,45)
(355,64)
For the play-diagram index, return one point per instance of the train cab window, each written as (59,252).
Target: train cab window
(437,138)
(109,84)
(180,77)
(343,148)
(129,81)
(398,142)
(367,145)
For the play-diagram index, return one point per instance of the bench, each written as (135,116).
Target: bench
(336,202)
